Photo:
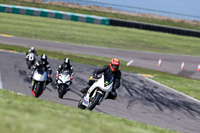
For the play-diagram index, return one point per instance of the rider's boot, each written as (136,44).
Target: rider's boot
(49,80)
(31,85)
(84,90)
(90,83)
(57,85)
(112,95)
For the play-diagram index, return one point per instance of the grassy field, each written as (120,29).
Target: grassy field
(97,35)
(27,114)
(22,114)
(184,85)
(105,36)
(97,13)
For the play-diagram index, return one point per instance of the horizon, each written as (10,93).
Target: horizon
(186,7)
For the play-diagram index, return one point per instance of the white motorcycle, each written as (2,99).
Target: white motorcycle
(63,82)
(30,60)
(39,82)
(97,92)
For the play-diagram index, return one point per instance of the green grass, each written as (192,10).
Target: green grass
(185,85)
(25,114)
(97,13)
(97,35)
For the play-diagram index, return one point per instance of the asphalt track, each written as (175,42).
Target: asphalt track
(139,99)
(171,63)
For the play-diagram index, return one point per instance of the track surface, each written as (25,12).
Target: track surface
(170,63)
(138,98)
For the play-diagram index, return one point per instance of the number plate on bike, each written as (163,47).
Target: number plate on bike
(85,102)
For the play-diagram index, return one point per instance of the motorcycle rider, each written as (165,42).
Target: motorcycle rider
(65,66)
(113,69)
(43,63)
(31,50)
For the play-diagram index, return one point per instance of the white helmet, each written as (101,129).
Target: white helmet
(32,48)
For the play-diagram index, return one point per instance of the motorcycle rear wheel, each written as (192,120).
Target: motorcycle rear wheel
(30,63)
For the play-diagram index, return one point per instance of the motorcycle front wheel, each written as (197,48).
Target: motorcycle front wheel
(94,101)
(38,89)
(62,90)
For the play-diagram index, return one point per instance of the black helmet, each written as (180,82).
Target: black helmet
(43,59)
(67,61)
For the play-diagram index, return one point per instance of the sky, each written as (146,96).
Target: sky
(189,7)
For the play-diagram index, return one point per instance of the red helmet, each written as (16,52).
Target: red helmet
(114,64)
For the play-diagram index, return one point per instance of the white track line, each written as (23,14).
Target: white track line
(173,90)
(1,87)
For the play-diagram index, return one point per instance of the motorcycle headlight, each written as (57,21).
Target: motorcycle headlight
(106,84)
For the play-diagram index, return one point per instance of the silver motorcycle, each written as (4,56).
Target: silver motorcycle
(39,82)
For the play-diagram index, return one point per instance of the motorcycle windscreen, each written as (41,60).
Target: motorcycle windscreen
(64,77)
(108,78)
(66,73)
(41,70)
(40,75)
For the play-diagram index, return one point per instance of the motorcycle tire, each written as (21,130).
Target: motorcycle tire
(94,101)
(29,65)
(80,105)
(38,90)
(62,91)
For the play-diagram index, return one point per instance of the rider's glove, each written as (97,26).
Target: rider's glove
(96,76)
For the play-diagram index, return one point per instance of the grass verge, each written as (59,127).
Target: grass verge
(185,85)
(23,114)
(104,14)
(96,35)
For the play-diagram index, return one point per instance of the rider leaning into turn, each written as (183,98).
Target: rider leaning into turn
(65,66)
(113,69)
(43,63)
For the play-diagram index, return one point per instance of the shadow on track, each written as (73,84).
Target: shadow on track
(150,95)
(24,75)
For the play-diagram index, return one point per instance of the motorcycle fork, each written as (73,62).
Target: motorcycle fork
(94,93)
(103,93)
